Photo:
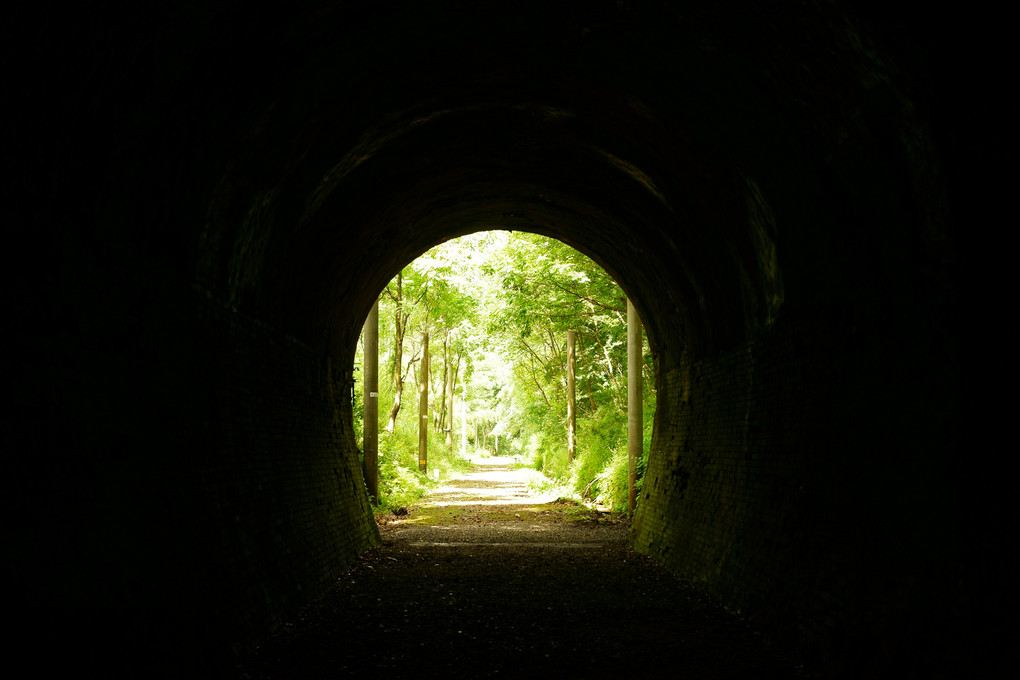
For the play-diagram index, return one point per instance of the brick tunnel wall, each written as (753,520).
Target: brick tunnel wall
(805,483)
(285,499)
(185,477)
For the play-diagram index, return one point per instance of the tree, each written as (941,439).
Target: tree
(502,303)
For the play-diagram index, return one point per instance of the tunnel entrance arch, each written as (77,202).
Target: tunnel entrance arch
(704,272)
(499,307)
(691,237)
(734,253)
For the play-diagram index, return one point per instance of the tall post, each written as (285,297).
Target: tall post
(463,420)
(371,401)
(571,400)
(635,420)
(423,406)
(449,398)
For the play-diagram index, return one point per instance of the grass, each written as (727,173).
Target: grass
(401,483)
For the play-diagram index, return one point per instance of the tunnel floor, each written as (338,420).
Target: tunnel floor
(484,580)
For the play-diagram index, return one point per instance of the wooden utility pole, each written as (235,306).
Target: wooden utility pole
(571,400)
(635,420)
(449,398)
(423,406)
(371,400)
(463,420)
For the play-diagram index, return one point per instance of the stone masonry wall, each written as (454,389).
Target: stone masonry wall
(806,485)
(286,486)
(181,481)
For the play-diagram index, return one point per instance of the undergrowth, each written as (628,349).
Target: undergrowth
(599,472)
(401,483)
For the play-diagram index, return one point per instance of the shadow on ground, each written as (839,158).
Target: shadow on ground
(484,581)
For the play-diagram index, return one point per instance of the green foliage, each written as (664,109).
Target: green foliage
(613,482)
(400,480)
(547,454)
(400,483)
(599,438)
(539,484)
(500,304)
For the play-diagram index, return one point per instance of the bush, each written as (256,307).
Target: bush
(598,439)
(547,454)
(613,482)
(401,483)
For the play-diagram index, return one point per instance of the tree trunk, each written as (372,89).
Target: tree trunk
(571,400)
(463,416)
(441,392)
(398,351)
(611,371)
(449,401)
(635,420)
(371,401)
(423,406)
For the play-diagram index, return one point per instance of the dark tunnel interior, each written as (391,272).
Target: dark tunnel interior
(207,198)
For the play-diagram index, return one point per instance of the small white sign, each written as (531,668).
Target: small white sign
(373,395)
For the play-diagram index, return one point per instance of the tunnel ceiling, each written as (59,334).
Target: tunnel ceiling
(692,149)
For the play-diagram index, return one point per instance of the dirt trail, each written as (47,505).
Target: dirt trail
(491,504)
(483,580)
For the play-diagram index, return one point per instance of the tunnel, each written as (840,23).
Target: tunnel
(207,197)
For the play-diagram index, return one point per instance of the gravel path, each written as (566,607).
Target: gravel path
(483,580)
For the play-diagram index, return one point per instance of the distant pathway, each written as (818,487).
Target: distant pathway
(484,581)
